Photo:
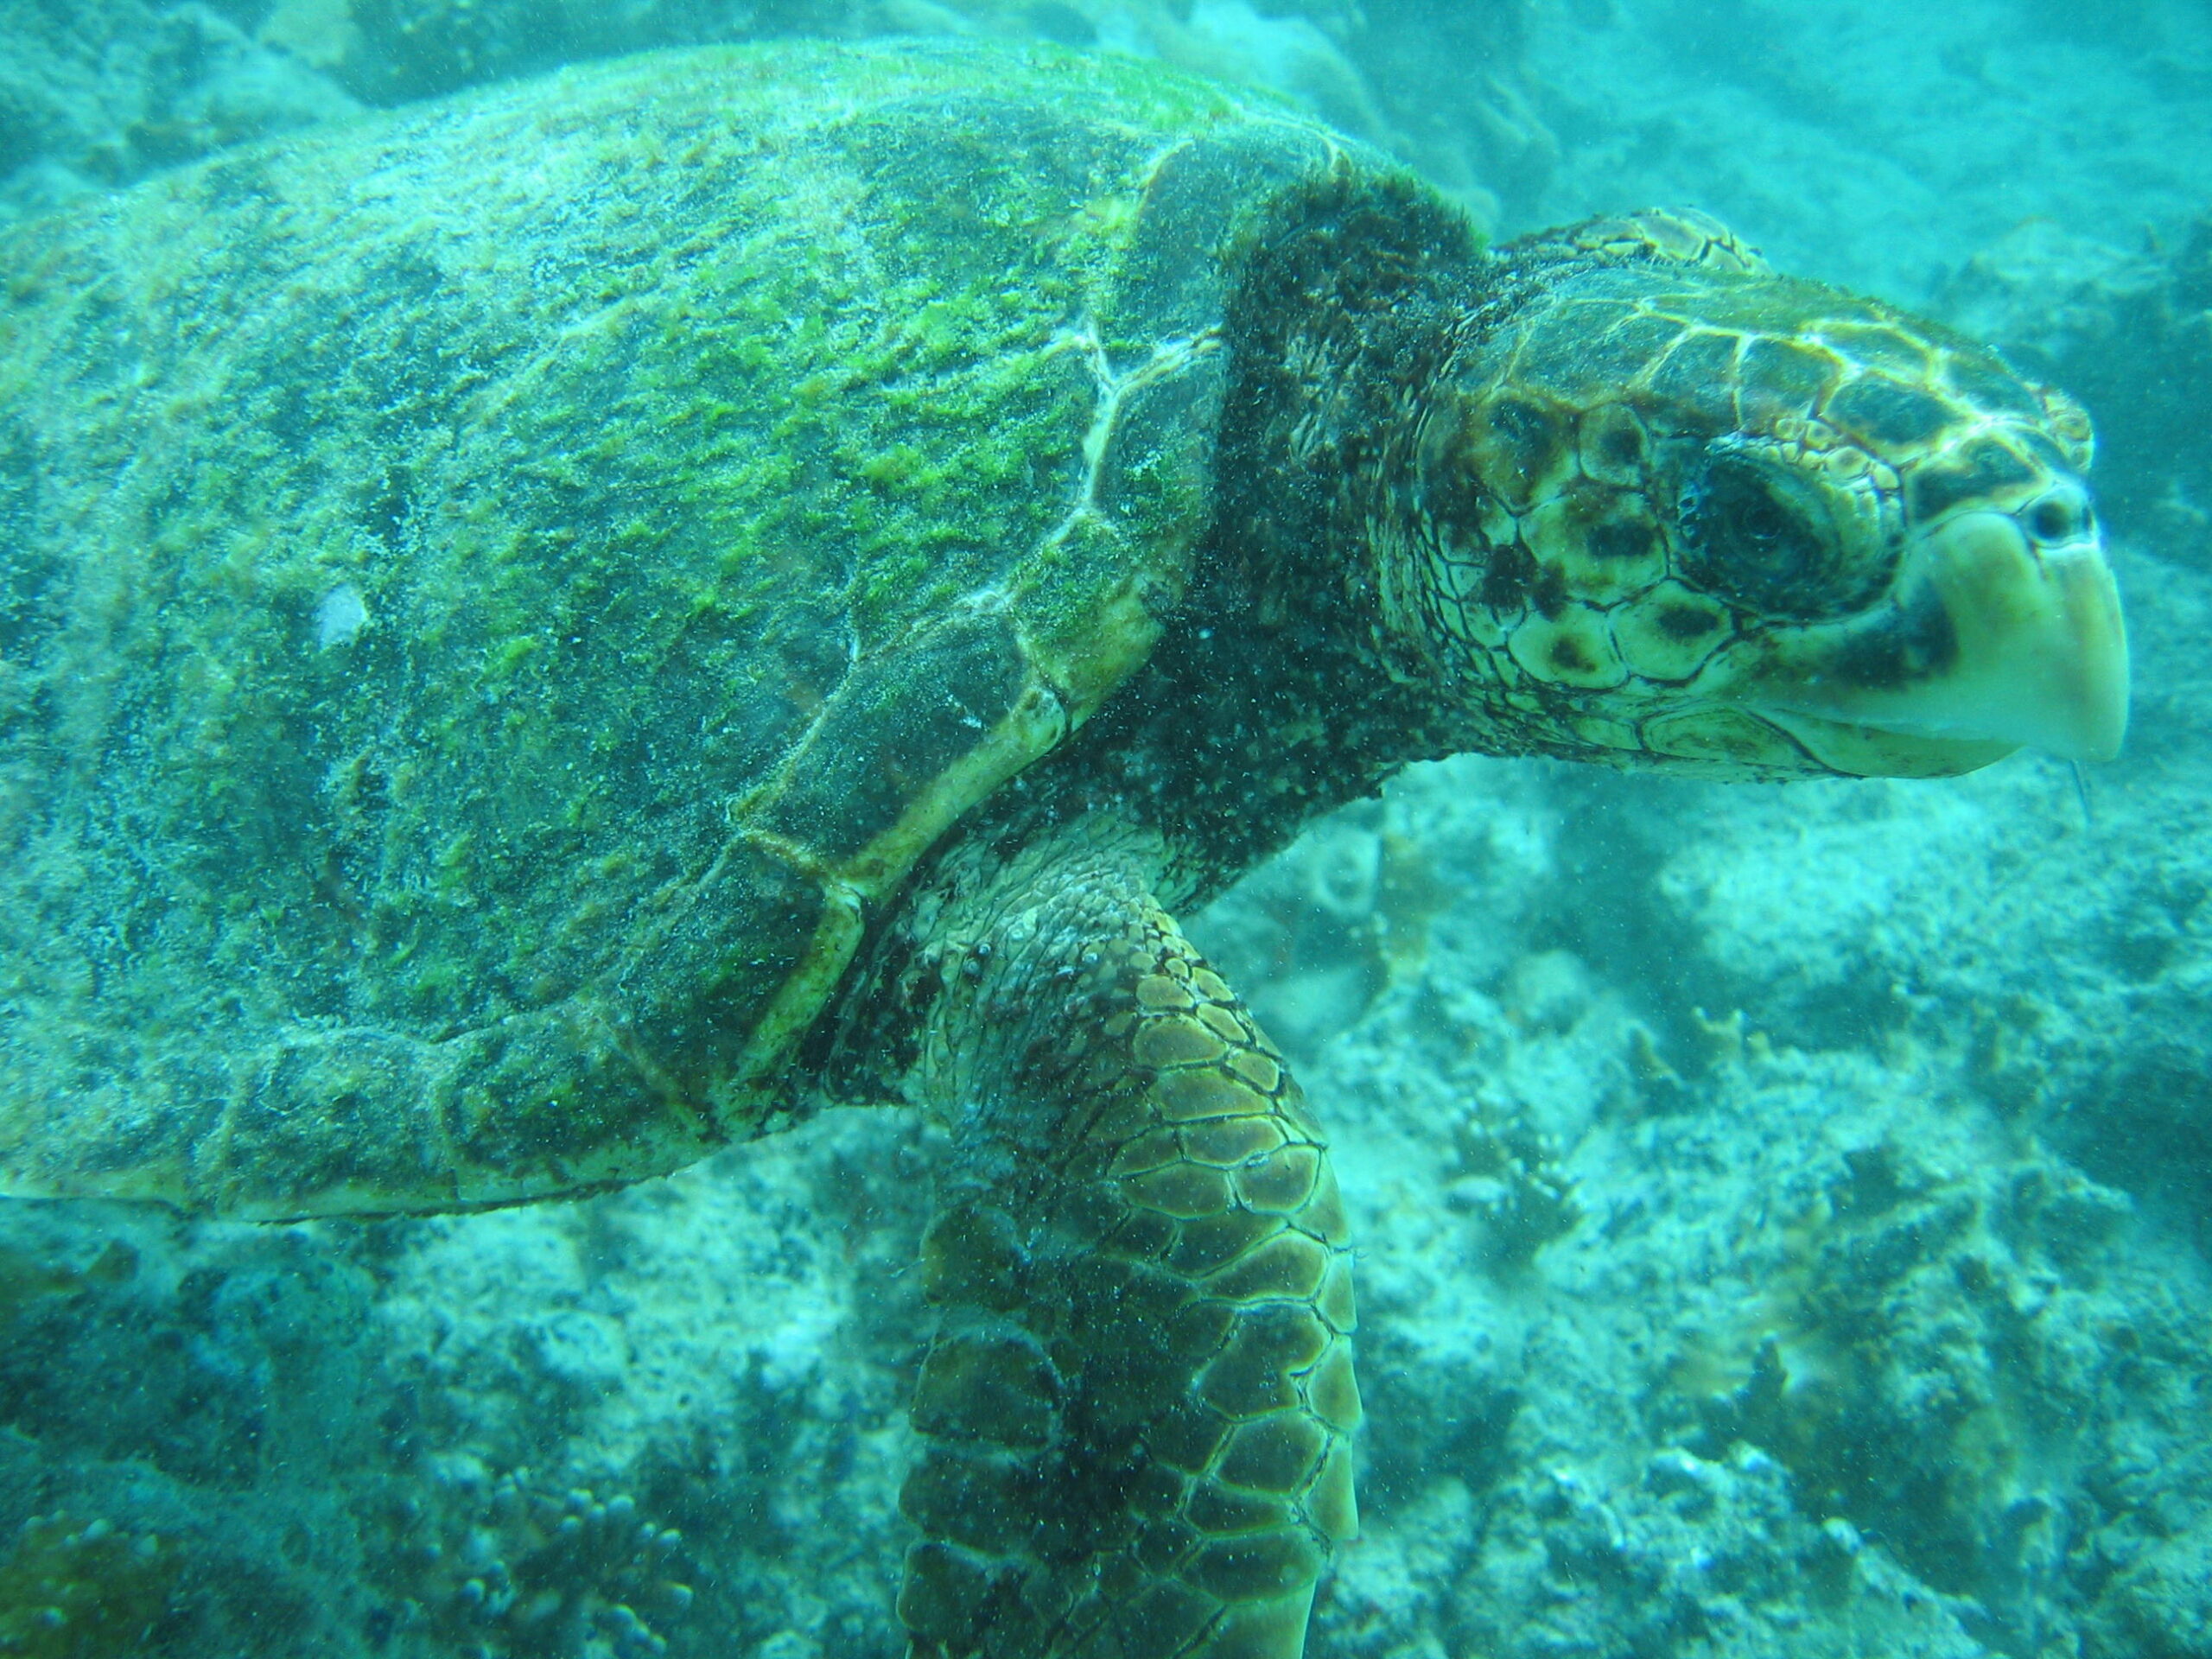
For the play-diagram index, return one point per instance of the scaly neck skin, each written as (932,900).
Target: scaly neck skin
(1281,692)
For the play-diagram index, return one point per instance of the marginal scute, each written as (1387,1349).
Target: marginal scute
(1276,1455)
(1184,1190)
(1176,1040)
(1279,1182)
(1239,1143)
(897,725)
(349,1076)
(943,1587)
(1190,1095)
(1336,1302)
(1195,193)
(1092,599)
(1214,1510)
(980,1502)
(1188,1437)
(1333,1391)
(1290,1264)
(1257,1068)
(1261,1565)
(989,1387)
(1331,1503)
(1213,1241)
(1153,478)
(730,942)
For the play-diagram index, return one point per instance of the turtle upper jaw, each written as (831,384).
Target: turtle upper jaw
(1995,642)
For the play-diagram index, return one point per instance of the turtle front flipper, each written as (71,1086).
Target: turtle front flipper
(1136,1410)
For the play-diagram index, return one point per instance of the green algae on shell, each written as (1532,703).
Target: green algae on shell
(514,581)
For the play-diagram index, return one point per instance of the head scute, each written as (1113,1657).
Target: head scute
(1682,236)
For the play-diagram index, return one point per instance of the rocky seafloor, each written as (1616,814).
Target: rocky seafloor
(1785,1211)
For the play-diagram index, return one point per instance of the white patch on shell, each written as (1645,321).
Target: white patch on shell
(342,615)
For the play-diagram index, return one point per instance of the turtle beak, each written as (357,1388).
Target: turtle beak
(2042,648)
(2009,644)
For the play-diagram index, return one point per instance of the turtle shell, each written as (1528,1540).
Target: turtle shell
(493,596)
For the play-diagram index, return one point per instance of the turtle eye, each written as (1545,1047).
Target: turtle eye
(1770,538)
(2063,516)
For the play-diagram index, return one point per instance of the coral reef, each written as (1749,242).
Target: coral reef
(83,1590)
(508,1567)
(1507,1175)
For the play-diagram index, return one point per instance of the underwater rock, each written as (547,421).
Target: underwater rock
(97,95)
(2160,1605)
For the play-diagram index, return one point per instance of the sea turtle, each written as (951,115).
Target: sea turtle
(552,632)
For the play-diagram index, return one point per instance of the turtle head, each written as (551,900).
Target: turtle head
(1684,510)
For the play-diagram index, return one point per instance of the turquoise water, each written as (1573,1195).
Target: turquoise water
(1782,1211)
